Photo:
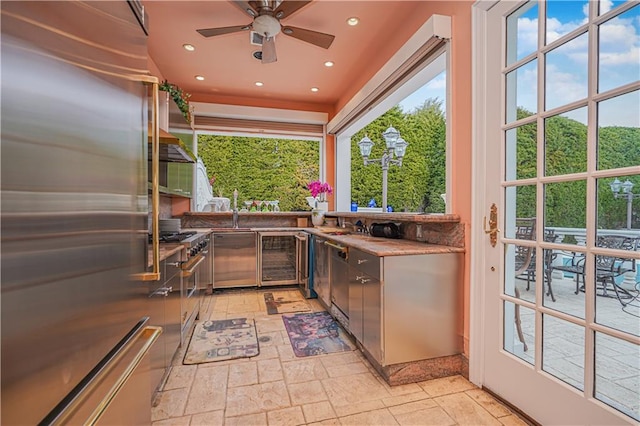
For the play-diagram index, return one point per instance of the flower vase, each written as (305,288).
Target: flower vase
(323,205)
(317,217)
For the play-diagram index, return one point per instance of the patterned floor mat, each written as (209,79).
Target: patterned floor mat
(221,340)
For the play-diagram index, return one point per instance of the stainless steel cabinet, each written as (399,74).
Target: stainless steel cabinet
(164,311)
(365,301)
(235,260)
(321,282)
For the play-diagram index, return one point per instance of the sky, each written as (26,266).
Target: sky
(435,88)
(566,70)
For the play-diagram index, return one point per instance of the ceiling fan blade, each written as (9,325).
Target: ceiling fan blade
(269,50)
(319,39)
(248,7)
(210,32)
(287,7)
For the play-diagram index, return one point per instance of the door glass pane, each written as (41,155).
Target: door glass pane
(564,276)
(619,131)
(616,286)
(564,16)
(520,152)
(522,32)
(565,207)
(520,276)
(617,380)
(618,62)
(563,350)
(565,143)
(520,207)
(566,73)
(522,92)
(605,6)
(618,204)
(519,331)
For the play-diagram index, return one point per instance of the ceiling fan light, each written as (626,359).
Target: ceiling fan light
(266,25)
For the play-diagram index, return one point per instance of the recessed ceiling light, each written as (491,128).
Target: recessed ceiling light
(328,64)
(259,83)
(314,89)
(199,77)
(353,21)
(189,47)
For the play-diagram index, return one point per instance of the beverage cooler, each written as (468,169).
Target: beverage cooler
(283,258)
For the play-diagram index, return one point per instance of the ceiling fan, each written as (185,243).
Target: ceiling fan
(266,16)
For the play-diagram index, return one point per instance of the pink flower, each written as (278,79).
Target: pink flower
(212,180)
(316,188)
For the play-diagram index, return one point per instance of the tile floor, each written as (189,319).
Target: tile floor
(276,388)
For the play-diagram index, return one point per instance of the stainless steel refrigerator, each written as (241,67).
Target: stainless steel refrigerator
(74,213)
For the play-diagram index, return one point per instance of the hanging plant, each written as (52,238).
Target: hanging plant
(179,96)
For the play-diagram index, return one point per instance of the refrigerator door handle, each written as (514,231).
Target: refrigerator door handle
(150,334)
(154,275)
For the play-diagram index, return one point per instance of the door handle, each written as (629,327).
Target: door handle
(493,225)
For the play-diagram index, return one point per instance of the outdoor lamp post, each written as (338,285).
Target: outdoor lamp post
(626,187)
(395,145)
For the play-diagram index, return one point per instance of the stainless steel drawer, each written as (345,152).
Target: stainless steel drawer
(365,262)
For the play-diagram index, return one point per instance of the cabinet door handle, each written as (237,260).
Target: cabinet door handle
(361,261)
(365,280)
(359,277)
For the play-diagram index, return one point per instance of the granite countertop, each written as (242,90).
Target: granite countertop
(386,246)
(398,217)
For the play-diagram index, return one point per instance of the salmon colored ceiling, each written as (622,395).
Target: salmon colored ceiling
(230,71)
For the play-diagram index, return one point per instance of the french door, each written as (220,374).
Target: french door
(558,122)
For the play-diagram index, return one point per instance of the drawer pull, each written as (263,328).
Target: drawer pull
(361,261)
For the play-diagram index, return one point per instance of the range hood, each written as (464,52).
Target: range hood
(172,149)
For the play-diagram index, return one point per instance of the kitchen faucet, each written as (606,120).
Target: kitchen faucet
(234,217)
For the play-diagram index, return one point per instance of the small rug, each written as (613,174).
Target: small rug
(315,333)
(290,302)
(221,340)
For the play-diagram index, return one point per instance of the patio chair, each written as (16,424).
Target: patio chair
(608,268)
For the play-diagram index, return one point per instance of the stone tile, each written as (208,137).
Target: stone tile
(243,374)
(512,420)
(169,404)
(305,393)
(257,398)
(360,407)
(272,338)
(410,407)
(401,389)
(354,389)
(180,376)
(427,416)
(267,352)
(269,370)
(405,399)
(464,410)
(247,420)
(175,421)
(318,411)
(489,403)
(303,370)
(340,358)
(209,390)
(285,352)
(376,417)
(446,385)
(329,422)
(208,419)
(269,324)
(342,370)
(286,417)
